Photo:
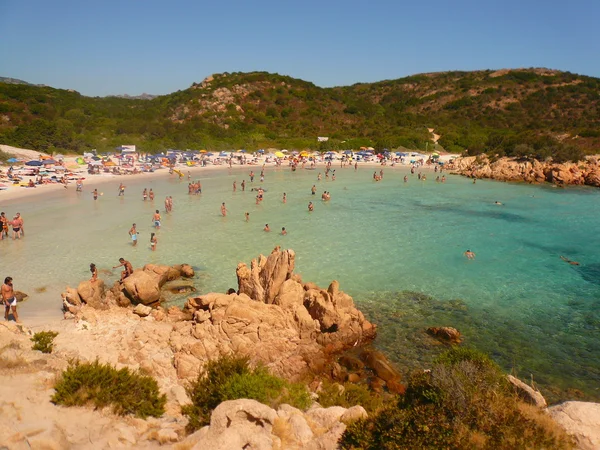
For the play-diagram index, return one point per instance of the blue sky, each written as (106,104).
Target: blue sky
(158,47)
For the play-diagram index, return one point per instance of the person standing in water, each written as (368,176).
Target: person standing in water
(133,232)
(223,209)
(153,241)
(121,189)
(156,219)
(145,194)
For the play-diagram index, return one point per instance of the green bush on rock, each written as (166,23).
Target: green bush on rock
(348,395)
(231,378)
(102,385)
(464,401)
(44,341)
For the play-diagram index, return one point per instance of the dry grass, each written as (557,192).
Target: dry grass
(13,363)
(283,430)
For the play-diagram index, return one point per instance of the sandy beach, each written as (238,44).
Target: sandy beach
(11,193)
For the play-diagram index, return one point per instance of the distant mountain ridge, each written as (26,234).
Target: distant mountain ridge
(509,112)
(142,96)
(14,81)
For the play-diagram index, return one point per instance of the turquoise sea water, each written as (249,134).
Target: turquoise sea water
(396,247)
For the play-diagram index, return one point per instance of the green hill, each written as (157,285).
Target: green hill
(532,112)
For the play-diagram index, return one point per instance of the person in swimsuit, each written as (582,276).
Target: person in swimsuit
(145,194)
(223,209)
(133,232)
(283,231)
(121,189)
(3,226)
(156,219)
(17,225)
(151,195)
(266,228)
(94,273)
(7,293)
(247,216)
(95,194)
(311,206)
(469,254)
(153,241)
(128,268)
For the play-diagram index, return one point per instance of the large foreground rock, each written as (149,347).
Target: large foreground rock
(580,419)
(248,424)
(289,326)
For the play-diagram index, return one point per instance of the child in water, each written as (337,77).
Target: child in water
(153,241)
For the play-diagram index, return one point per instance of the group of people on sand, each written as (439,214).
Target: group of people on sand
(16,224)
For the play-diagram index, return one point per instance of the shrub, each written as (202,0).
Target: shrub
(464,401)
(44,341)
(350,395)
(102,385)
(231,378)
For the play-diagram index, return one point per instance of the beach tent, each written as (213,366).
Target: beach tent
(80,160)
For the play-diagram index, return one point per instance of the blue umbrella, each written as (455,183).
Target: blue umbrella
(12,160)
(261,151)
(48,161)
(348,152)
(34,163)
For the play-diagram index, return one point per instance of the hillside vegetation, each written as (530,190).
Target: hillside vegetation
(523,112)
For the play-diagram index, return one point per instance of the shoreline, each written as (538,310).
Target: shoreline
(15,193)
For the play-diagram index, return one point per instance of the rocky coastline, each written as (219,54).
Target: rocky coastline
(582,173)
(298,330)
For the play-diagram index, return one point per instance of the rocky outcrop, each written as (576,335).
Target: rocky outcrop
(527,393)
(529,170)
(289,326)
(142,286)
(239,424)
(581,420)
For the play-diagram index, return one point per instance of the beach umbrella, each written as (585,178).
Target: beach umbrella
(49,161)
(35,162)
(202,151)
(279,155)
(261,151)
(210,154)
(347,152)
(12,160)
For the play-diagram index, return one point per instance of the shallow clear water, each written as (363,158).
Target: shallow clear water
(535,314)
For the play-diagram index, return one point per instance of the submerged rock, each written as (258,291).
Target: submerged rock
(447,334)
